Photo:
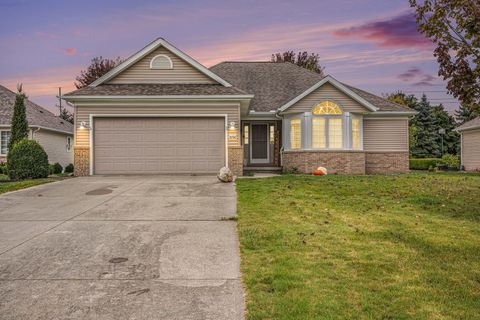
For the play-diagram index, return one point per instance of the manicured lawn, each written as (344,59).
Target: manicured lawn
(17,185)
(365,247)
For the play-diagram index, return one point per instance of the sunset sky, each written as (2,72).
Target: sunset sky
(371,44)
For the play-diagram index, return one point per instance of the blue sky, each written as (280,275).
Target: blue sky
(371,44)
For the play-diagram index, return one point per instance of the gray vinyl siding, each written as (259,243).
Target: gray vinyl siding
(385,134)
(55,145)
(140,72)
(327,92)
(471,150)
(82,113)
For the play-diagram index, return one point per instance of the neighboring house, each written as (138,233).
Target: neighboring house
(160,111)
(53,133)
(470,144)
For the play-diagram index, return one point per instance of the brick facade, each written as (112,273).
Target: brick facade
(81,161)
(3,159)
(386,162)
(343,162)
(235,160)
(347,162)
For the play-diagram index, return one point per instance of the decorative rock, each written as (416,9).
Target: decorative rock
(225,175)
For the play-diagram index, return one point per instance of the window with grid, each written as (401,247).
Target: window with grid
(335,133)
(356,133)
(245,134)
(319,138)
(295,134)
(4,138)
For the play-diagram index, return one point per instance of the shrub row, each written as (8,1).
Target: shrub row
(452,161)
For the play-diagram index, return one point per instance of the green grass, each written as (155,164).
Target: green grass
(362,247)
(17,185)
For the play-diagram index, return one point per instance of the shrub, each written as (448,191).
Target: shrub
(27,160)
(451,161)
(57,168)
(69,168)
(423,164)
(3,168)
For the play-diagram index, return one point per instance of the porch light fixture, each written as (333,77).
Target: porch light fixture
(232,125)
(83,125)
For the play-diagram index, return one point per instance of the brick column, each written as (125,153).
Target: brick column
(235,160)
(81,161)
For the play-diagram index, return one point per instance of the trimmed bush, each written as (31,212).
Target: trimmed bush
(3,168)
(69,168)
(27,160)
(452,161)
(424,163)
(57,168)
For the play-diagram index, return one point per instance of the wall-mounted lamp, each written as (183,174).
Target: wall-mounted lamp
(232,125)
(83,126)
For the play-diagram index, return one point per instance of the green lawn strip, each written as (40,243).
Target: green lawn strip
(381,247)
(17,185)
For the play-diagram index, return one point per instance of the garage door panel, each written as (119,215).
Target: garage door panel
(158,145)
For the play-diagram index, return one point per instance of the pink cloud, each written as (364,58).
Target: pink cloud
(70,51)
(397,32)
(417,76)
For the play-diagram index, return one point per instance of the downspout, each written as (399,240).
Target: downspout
(281,148)
(33,132)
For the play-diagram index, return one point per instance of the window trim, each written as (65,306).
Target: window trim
(1,132)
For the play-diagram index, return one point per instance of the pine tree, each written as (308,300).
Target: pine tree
(464,114)
(451,139)
(426,135)
(19,123)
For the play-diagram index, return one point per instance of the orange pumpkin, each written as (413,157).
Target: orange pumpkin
(318,172)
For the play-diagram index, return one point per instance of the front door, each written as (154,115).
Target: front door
(259,143)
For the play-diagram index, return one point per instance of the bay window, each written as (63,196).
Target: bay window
(295,134)
(326,127)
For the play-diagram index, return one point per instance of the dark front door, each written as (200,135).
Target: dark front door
(259,143)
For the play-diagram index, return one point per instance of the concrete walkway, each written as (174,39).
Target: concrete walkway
(120,247)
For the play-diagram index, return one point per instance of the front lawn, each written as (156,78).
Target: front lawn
(363,247)
(17,185)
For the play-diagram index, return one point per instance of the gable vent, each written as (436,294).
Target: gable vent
(161,62)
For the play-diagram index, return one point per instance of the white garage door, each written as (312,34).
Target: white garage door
(158,145)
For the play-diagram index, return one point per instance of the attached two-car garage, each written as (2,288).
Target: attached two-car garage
(158,145)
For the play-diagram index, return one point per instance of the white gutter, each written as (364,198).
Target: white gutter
(172,97)
(40,127)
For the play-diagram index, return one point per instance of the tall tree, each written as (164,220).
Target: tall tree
(464,114)
(449,139)
(454,28)
(426,135)
(97,68)
(19,125)
(302,59)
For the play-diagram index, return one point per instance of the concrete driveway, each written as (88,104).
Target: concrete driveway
(120,247)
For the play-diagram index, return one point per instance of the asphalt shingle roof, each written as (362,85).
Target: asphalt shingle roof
(36,115)
(470,124)
(156,89)
(275,84)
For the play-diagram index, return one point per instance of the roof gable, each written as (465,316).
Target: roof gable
(36,115)
(143,58)
(329,79)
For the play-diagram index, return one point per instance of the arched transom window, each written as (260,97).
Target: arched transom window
(161,61)
(326,107)
(327,126)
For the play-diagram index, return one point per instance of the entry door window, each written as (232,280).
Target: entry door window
(259,136)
